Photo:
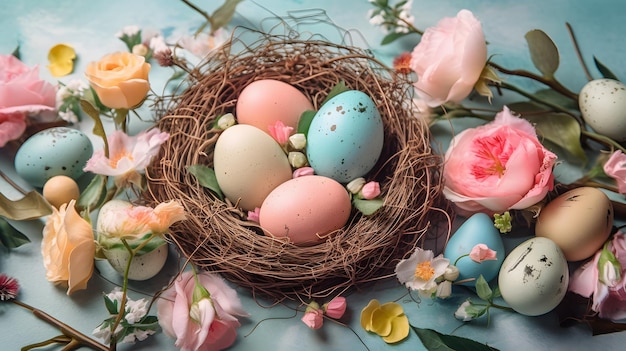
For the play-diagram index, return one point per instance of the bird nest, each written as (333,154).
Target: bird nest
(217,235)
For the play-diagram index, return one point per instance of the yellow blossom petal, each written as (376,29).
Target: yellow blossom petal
(366,314)
(61,57)
(399,329)
(381,322)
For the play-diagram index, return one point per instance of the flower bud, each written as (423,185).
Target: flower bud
(336,307)
(297,159)
(462,314)
(303,171)
(451,273)
(225,121)
(140,50)
(370,190)
(297,141)
(444,289)
(356,185)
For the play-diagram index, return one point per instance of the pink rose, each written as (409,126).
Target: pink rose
(207,324)
(498,166)
(12,126)
(615,167)
(482,252)
(449,59)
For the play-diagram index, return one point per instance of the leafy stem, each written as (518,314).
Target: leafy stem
(524,93)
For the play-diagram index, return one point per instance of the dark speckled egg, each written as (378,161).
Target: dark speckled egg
(51,152)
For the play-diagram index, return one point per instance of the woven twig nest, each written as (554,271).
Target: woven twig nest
(217,237)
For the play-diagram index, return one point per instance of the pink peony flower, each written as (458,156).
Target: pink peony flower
(12,126)
(336,307)
(313,318)
(615,167)
(370,190)
(498,166)
(128,155)
(482,252)
(280,132)
(449,59)
(209,323)
(604,279)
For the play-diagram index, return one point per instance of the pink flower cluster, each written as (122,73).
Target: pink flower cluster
(314,315)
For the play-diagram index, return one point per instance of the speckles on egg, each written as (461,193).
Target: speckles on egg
(52,152)
(602,105)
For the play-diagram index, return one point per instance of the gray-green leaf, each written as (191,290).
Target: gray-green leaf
(482,289)
(31,206)
(206,178)
(222,16)
(543,52)
(604,70)
(10,237)
(367,207)
(435,341)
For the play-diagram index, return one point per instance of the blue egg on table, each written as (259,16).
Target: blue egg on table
(477,229)
(345,137)
(51,152)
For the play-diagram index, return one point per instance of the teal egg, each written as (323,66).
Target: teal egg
(345,137)
(477,229)
(51,152)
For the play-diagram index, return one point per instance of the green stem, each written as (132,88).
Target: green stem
(203,13)
(603,139)
(460,257)
(505,308)
(552,83)
(535,98)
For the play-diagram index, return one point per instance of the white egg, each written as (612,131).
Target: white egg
(533,278)
(602,104)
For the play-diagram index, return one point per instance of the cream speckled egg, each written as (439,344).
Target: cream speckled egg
(578,221)
(533,278)
(602,104)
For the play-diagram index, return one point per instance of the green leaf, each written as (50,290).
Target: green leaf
(604,70)
(435,341)
(391,37)
(94,193)
(98,127)
(551,95)
(563,131)
(206,178)
(482,289)
(31,206)
(305,121)
(367,207)
(222,16)
(16,52)
(543,52)
(111,305)
(10,237)
(476,310)
(336,90)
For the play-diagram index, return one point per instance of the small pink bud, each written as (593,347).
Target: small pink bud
(336,307)
(303,171)
(313,319)
(370,190)
(280,132)
(482,252)
(254,215)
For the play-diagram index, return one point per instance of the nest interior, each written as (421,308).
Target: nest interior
(217,237)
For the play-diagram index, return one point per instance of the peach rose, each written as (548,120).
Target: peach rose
(68,248)
(449,59)
(120,79)
(498,166)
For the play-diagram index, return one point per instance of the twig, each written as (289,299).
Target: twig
(558,87)
(570,30)
(12,183)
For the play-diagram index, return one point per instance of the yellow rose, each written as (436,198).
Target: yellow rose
(68,248)
(120,79)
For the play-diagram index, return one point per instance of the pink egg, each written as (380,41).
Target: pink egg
(263,102)
(305,209)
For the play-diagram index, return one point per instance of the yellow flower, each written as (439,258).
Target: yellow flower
(68,248)
(61,57)
(387,320)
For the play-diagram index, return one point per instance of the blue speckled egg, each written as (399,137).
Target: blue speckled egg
(477,229)
(345,138)
(51,152)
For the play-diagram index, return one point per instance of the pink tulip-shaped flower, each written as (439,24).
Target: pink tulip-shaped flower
(482,252)
(370,190)
(336,307)
(280,132)
(313,318)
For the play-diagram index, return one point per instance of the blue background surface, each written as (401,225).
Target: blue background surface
(90,26)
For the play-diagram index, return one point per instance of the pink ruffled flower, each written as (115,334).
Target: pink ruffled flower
(482,252)
(336,307)
(498,166)
(207,323)
(449,59)
(128,155)
(604,279)
(280,132)
(615,167)
(313,318)
(370,190)
(12,126)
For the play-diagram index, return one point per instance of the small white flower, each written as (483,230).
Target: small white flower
(128,31)
(297,159)
(355,185)
(298,141)
(225,121)
(136,310)
(444,289)
(203,43)
(420,271)
(452,273)
(462,314)
(157,44)
(68,116)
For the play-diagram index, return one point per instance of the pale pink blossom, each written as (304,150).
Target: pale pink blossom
(449,59)
(420,271)
(207,323)
(12,126)
(313,318)
(615,167)
(482,252)
(497,166)
(203,43)
(336,307)
(370,190)
(280,132)
(303,171)
(128,155)
(254,215)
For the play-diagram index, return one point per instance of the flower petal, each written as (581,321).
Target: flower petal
(399,329)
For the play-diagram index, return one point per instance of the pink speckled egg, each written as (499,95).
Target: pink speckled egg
(305,209)
(264,102)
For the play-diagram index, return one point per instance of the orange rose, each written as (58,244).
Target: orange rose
(120,79)
(68,248)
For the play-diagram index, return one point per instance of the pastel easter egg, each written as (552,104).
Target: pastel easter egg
(477,229)
(248,165)
(266,101)
(602,105)
(579,221)
(305,209)
(52,152)
(345,137)
(534,277)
